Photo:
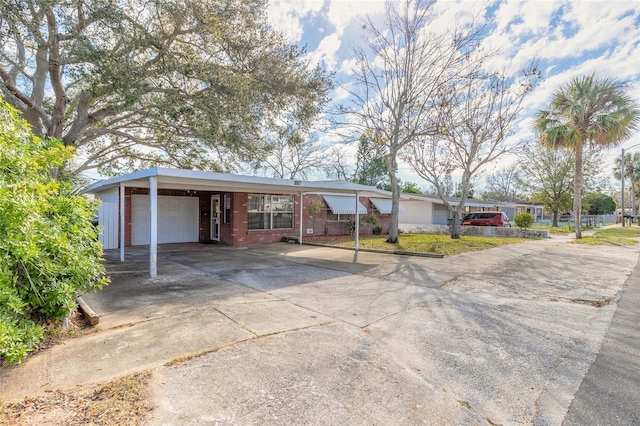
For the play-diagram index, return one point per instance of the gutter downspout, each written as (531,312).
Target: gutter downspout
(153,243)
(122,228)
(301,216)
(357,221)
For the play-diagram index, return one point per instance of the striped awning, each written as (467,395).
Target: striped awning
(344,205)
(383,205)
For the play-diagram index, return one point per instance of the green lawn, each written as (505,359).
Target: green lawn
(424,243)
(558,229)
(615,236)
(553,229)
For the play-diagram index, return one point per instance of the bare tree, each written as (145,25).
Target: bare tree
(337,167)
(294,154)
(504,185)
(400,74)
(477,113)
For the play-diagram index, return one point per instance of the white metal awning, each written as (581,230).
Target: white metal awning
(344,205)
(383,205)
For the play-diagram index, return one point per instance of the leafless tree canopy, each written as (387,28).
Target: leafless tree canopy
(504,185)
(293,154)
(400,75)
(477,112)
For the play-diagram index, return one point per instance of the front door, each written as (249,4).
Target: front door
(215,217)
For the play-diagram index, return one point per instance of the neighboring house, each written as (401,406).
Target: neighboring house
(535,210)
(421,210)
(161,205)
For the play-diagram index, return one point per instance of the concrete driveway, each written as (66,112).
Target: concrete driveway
(309,335)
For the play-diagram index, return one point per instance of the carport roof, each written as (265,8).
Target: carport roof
(208,181)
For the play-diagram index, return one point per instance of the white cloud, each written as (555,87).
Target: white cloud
(343,12)
(341,94)
(326,52)
(349,66)
(285,16)
(568,38)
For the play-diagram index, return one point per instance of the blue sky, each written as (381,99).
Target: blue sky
(567,38)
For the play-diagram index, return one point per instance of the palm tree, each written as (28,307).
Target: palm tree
(588,111)
(631,172)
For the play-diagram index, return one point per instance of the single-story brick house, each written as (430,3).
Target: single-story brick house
(163,205)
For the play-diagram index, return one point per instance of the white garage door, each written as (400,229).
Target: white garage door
(177,219)
(440,215)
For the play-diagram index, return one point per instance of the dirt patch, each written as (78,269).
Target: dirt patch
(56,333)
(595,303)
(124,401)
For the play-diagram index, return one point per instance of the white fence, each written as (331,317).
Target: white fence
(586,220)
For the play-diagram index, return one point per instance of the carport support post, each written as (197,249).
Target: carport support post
(153,243)
(301,216)
(357,221)
(121,221)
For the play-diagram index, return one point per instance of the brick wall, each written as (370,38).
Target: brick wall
(317,222)
(236,233)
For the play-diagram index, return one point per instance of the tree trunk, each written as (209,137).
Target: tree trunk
(577,190)
(455,225)
(555,219)
(395,199)
(633,200)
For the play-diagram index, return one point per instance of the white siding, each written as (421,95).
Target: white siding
(417,212)
(177,219)
(108,218)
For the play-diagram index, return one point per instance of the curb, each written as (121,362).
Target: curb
(398,252)
(91,317)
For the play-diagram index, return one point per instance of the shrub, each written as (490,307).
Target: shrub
(523,220)
(369,219)
(315,207)
(49,253)
(377,230)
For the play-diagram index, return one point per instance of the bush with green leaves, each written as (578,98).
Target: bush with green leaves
(523,220)
(49,252)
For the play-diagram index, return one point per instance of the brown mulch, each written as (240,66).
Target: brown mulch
(78,326)
(123,401)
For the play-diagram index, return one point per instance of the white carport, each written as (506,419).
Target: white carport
(191,180)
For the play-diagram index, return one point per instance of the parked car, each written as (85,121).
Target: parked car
(487,219)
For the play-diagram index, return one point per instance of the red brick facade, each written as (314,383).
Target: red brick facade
(235,232)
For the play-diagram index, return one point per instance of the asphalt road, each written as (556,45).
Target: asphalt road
(610,392)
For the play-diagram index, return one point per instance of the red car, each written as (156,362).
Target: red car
(487,219)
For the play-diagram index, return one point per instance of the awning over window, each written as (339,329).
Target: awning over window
(344,205)
(384,205)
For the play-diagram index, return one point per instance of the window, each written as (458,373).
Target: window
(332,217)
(226,216)
(269,212)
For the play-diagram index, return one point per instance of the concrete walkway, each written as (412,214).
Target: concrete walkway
(293,334)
